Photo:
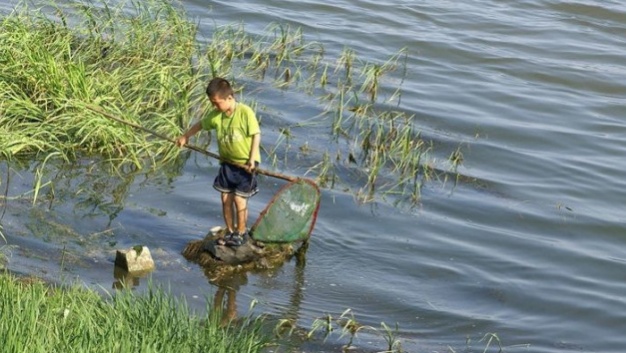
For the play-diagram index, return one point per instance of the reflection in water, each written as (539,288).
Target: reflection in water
(125,279)
(228,283)
(297,294)
(92,187)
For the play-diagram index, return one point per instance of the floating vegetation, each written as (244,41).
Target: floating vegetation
(143,62)
(349,327)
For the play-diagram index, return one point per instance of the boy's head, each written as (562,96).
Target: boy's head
(221,95)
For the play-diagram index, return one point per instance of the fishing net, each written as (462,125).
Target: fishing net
(291,214)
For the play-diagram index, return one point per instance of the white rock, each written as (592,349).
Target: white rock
(135,259)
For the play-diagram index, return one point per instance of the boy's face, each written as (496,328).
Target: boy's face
(224,105)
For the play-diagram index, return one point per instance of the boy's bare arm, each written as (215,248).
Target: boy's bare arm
(181,141)
(254,150)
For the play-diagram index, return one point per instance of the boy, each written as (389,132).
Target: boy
(238,141)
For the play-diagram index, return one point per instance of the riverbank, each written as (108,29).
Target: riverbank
(37,317)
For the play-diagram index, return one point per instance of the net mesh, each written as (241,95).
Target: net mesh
(291,214)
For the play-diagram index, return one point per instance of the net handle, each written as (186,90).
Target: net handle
(191,147)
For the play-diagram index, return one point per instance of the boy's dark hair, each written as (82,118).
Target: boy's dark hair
(219,87)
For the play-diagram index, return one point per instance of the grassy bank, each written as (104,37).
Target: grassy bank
(54,62)
(35,317)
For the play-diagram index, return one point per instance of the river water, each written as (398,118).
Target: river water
(529,246)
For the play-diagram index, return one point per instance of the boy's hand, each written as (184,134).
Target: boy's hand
(181,141)
(250,166)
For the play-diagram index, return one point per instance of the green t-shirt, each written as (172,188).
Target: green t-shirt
(234,133)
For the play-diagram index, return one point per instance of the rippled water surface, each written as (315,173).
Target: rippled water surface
(529,245)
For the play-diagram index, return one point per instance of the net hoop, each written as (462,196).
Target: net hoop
(290,215)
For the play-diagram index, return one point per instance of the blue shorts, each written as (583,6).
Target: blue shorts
(231,179)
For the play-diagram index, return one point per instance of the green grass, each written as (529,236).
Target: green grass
(35,317)
(137,66)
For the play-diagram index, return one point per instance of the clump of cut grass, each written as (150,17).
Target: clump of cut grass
(76,319)
(136,65)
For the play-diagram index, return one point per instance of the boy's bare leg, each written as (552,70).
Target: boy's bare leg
(241,205)
(227,210)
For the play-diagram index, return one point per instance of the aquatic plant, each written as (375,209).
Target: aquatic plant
(391,337)
(350,327)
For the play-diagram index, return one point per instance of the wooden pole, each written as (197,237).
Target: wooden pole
(191,147)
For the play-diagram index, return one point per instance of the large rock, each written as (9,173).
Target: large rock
(251,255)
(135,260)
